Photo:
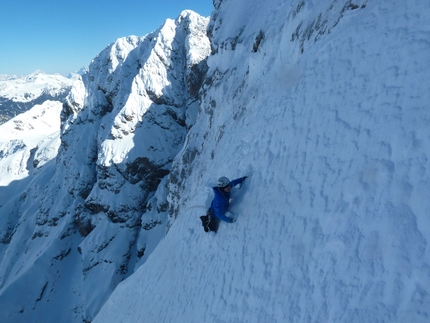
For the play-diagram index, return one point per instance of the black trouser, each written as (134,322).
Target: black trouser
(209,221)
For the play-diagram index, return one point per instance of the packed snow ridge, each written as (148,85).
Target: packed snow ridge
(324,105)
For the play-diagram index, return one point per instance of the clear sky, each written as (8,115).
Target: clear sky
(62,36)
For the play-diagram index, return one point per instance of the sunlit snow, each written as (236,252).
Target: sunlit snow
(334,127)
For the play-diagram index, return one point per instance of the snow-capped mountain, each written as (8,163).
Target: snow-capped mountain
(98,210)
(324,105)
(20,93)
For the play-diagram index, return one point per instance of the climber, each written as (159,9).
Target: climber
(220,204)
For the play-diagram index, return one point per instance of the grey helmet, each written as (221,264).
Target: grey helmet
(223,181)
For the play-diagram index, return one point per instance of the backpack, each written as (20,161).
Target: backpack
(209,221)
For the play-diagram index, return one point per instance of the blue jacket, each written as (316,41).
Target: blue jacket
(221,201)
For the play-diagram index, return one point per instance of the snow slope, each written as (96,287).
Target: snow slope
(29,140)
(326,105)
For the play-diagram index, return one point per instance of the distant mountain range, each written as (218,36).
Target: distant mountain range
(20,93)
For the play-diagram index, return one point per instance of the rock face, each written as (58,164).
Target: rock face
(94,214)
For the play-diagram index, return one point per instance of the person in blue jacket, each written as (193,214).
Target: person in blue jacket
(221,202)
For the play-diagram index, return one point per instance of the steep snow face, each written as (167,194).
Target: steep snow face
(325,106)
(20,93)
(86,220)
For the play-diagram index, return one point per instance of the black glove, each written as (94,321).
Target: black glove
(245,177)
(232,220)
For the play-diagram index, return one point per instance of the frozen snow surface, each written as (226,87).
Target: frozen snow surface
(323,104)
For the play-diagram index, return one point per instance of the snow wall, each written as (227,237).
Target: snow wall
(326,106)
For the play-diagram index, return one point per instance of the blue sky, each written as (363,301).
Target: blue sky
(59,36)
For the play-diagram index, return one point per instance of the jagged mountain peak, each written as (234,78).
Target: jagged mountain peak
(36,73)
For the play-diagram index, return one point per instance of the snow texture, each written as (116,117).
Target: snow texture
(326,105)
